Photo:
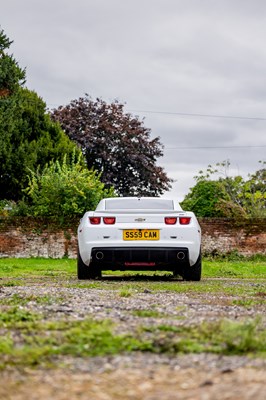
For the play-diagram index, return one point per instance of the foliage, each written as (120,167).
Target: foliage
(28,137)
(116,144)
(203,198)
(230,197)
(11,75)
(64,190)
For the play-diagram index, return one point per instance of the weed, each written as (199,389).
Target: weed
(148,314)
(222,337)
(249,302)
(16,315)
(125,293)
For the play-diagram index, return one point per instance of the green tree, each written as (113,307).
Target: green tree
(28,137)
(116,144)
(253,197)
(204,197)
(227,196)
(65,190)
(11,75)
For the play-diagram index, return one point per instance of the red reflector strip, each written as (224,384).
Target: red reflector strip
(109,220)
(139,264)
(184,220)
(170,220)
(95,220)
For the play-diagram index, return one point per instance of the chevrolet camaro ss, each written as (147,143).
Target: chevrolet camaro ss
(145,233)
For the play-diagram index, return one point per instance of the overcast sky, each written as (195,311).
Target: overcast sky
(194,69)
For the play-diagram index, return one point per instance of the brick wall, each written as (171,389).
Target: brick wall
(24,237)
(224,236)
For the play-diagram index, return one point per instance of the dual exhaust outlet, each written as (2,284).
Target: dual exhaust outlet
(180,255)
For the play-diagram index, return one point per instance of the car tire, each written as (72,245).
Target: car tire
(85,272)
(193,273)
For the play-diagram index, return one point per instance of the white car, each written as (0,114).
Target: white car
(146,233)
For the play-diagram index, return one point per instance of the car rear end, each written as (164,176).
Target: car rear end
(139,239)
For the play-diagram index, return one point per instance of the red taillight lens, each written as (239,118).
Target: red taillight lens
(184,220)
(95,220)
(170,220)
(109,220)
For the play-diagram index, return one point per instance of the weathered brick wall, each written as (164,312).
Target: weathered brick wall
(22,237)
(224,236)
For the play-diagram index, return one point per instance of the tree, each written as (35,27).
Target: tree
(64,189)
(227,196)
(116,144)
(254,195)
(11,75)
(204,197)
(28,137)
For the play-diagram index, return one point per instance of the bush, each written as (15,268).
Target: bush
(63,190)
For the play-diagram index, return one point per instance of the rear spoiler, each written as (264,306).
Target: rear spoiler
(140,211)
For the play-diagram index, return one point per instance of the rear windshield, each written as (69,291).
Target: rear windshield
(139,204)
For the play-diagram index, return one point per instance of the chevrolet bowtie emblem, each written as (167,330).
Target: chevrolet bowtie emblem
(140,219)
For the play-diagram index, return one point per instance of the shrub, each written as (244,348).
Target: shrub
(64,189)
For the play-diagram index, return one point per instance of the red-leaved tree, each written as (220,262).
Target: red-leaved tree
(116,144)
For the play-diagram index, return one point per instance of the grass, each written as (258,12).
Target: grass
(242,277)
(148,314)
(36,267)
(212,268)
(30,339)
(40,343)
(221,337)
(251,272)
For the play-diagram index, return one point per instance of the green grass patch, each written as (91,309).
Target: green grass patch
(246,269)
(18,299)
(66,268)
(36,267)
(19,272)
(14,316)
(148,314)
(41,343)
(221,337)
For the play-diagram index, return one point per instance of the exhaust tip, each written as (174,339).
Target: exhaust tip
(181,255)
(99,255)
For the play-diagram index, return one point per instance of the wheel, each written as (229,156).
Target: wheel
(193,273)
(85,272)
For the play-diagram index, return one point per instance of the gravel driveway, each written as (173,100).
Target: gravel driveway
(138,375)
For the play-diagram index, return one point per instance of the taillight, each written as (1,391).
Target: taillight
(184,220)
(109,220)
(95,220)
(170,220)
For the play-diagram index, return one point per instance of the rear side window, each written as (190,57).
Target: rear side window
(139,204)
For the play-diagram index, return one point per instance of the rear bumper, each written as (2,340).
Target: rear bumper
(139,258)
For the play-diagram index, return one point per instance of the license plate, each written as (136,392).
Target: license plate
(141,234)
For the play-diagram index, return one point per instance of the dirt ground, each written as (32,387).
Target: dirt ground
(156,383)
